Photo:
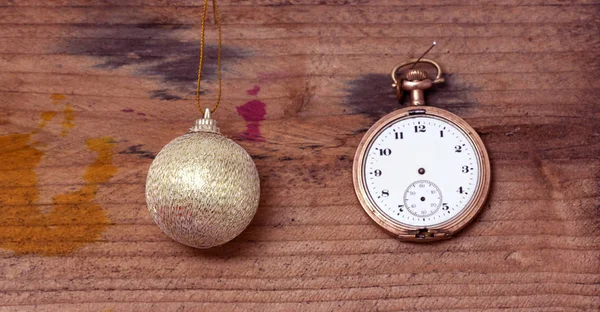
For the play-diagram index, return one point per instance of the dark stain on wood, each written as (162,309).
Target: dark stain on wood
(452,95)
(258,157)
(280,4)
(164,95)
(283,3)
(137,150)
(173,60)
(315,176)
(371,95)
(312,146)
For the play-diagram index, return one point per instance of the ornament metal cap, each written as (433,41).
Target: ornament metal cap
(206,124)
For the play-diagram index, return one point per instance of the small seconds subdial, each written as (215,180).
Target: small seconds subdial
(422,198)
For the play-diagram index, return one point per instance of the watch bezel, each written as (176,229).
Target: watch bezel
(419,233)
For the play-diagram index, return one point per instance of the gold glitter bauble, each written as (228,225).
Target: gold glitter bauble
(202,188)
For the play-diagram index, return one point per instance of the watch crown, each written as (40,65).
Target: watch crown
(416,74)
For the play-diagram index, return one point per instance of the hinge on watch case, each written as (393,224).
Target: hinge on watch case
(416,111)
(425,234)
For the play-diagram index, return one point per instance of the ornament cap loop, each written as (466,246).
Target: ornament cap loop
(206,124)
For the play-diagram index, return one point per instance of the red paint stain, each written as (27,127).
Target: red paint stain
(127,110)
(253,112)
(253,91)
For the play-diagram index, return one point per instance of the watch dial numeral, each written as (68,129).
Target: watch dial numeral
(377,173)
(420,128)
(399,135)
(385,152)
(445,207)
(441,133)
(460,190)
(385,193)
(401,208)
(458,149)
(465,169)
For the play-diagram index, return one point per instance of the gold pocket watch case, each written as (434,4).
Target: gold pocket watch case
(422,173)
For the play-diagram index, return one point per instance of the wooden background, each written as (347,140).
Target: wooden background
(91,90)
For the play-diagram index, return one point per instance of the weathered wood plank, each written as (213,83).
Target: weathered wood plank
(307,14)
(298,46)
(275,3)
(281,31)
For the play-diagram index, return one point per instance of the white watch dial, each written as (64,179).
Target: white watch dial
(421,171)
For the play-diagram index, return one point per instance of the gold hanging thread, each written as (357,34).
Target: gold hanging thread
(201,63)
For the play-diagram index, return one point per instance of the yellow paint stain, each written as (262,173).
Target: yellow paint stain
(102,169)
(18,179)
(46,117)
(68,121)
(73,221)
(57,97)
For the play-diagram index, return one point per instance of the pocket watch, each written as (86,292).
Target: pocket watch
(421,172)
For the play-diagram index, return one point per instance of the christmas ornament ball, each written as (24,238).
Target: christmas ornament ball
(202,188)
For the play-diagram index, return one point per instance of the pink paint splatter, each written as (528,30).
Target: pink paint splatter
(127,110)
(253,91)
(253,112)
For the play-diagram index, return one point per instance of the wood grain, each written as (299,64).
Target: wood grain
(523,73)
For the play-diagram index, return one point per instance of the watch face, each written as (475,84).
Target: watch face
(421,170)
